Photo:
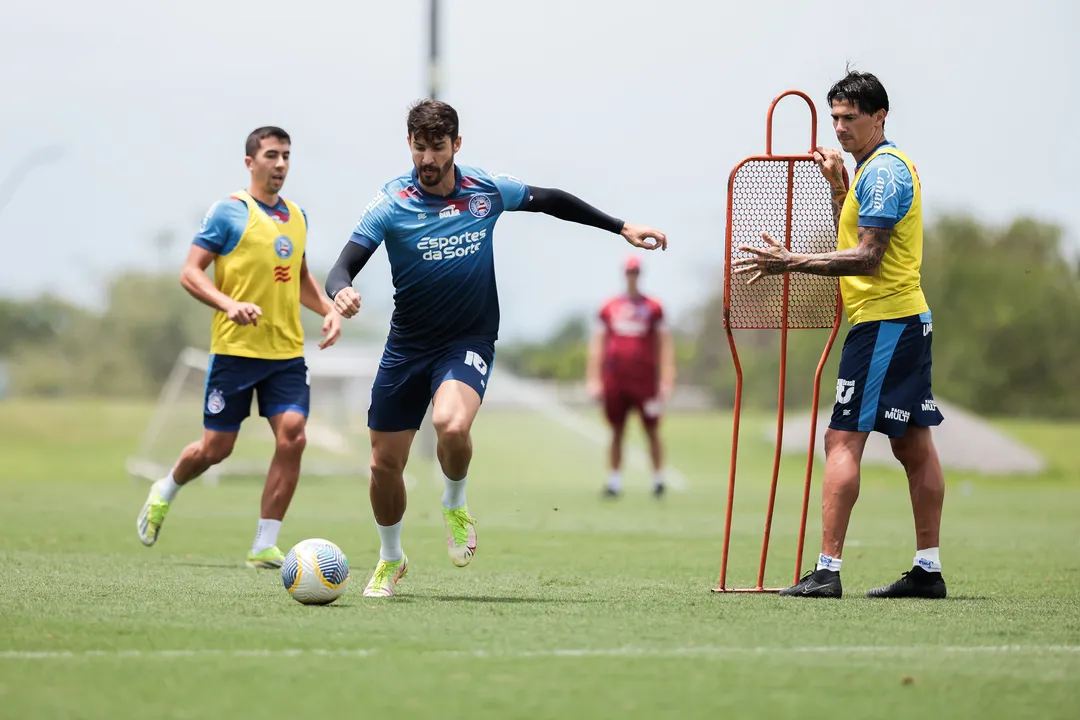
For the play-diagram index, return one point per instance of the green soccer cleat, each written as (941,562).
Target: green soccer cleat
(269,559)
(460,536)
(151,517)
(384,581)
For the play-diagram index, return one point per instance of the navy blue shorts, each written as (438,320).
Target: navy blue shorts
(281,386)
(884,377)
(407,380)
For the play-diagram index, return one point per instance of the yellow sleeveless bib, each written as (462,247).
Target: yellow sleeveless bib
(895,291)
(263,268)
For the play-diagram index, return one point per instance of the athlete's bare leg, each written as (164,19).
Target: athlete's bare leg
(203,454)
(194,460)
(284,473)
(615,448)
(656,447)
(840,487)
(386,489)
(453,411)
(926,483)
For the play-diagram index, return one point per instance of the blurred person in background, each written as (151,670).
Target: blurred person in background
(631,366)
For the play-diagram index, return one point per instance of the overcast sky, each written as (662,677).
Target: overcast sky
(640,108)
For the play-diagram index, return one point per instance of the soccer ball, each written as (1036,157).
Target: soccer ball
(315,572)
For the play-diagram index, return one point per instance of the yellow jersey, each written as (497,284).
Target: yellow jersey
(258,260)
(885,193)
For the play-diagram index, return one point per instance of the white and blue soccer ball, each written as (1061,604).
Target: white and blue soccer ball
(315,572)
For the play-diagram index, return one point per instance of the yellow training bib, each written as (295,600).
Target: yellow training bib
(263,268)
(895,291)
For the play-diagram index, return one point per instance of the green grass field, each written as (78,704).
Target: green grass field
(573,607)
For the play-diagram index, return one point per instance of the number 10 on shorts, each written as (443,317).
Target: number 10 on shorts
(471,358)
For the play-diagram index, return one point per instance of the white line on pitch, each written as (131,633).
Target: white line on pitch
(554,653)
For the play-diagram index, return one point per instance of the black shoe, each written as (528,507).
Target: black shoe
(817,584)
(915,583)
(658,490)
(609,492)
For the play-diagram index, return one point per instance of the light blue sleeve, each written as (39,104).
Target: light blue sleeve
(514,192)
(222,226)
(885,192)
(375,222)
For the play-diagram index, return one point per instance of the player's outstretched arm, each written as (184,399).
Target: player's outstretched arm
(194,279)
(311,297)
(563,205)
(339,281)
(774,259)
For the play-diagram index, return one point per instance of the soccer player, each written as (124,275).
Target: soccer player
(437,225)
(631,366)
(884,376)
(256,241)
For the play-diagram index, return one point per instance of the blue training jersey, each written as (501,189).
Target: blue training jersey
(225,222)
(441,256)
(885,190)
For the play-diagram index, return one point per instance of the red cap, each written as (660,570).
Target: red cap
(632,263)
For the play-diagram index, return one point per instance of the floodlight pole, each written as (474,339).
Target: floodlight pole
(433,49)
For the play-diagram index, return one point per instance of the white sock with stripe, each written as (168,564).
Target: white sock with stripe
(928,559)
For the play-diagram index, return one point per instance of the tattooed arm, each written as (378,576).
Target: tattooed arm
(863,259)
(839,194)
(831,164)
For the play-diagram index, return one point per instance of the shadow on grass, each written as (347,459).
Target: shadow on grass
(510,599)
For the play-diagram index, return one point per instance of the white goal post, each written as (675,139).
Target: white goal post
(337,437)
(341,381)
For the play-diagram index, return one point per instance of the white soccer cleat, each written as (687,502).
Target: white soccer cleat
(383,582)
(460,536)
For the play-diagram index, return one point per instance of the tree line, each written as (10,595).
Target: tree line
(1005,300)
(1006,312)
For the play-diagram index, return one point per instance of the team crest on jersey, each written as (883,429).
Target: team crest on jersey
(215,403)
(283,247)
(479,205)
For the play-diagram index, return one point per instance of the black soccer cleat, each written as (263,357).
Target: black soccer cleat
(610,492)
(817,584)
(915,583)
(658,490)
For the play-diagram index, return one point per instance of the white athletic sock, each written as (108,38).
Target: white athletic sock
(827,562)
(614,481)
(390,536)
(167,488)
(266,535)
(658,479)
(928,559)
(453,496)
